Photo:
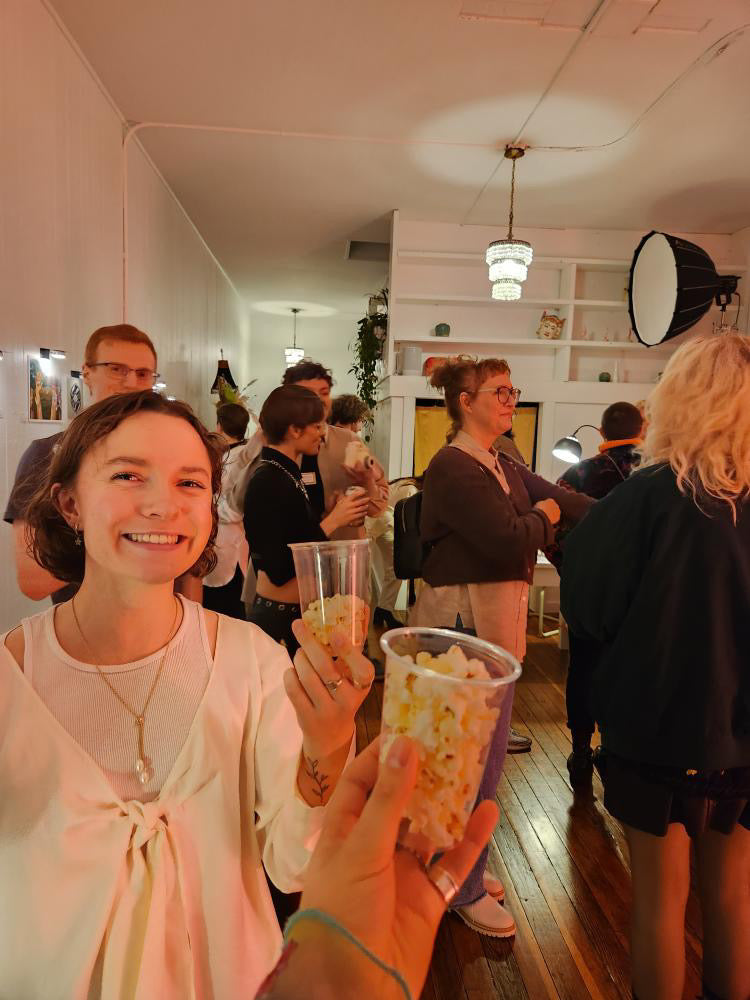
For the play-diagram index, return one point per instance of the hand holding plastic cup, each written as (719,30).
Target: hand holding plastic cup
(445,691)
(334,590)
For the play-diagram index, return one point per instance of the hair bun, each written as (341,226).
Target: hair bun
(445,370)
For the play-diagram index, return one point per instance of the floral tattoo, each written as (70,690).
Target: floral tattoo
(320,781)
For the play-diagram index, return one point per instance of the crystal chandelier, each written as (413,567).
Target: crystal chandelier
(509,259)
(293,355)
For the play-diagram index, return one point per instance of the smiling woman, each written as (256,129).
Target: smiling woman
(164,741)
(126,455)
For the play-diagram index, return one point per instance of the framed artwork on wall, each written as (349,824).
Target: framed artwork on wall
(431,424)
(45,393)
(75,394)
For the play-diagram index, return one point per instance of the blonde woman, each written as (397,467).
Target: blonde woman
(659,574)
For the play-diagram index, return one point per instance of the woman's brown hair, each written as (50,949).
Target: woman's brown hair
(50,539)
(289,406)
(464,375)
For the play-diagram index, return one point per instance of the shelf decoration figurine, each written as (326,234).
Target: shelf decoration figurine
(550,326)
(442,329)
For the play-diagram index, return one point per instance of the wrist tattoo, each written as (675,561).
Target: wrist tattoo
(320,781)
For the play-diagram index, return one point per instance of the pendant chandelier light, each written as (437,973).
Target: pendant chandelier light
(509,259)
(293,355)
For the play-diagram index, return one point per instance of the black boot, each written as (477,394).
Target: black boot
(581,762)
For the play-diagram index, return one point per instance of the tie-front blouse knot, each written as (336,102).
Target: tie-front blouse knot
(147,818)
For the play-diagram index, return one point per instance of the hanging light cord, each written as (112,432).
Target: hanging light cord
(512,198)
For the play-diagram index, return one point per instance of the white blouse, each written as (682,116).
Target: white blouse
(129,900)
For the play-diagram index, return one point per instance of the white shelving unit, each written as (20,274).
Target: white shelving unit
(578,290)
(438,275)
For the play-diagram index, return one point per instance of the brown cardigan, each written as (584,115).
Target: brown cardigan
(476,533)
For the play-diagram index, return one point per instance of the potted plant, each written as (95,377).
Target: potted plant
(368,347)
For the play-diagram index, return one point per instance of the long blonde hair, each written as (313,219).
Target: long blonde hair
(699,418)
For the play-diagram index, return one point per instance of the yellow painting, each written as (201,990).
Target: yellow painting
(431,424)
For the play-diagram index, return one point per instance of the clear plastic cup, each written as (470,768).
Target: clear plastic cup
(452,718)
(334,589)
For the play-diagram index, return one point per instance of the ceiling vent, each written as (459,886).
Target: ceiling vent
(367,250)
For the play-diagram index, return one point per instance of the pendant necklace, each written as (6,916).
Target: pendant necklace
(143,765)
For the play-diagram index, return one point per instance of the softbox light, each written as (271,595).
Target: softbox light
(672,284)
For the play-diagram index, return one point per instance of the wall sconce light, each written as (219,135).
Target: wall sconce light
(223,375)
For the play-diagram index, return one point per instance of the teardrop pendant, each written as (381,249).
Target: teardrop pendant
(146,775)
(144,770)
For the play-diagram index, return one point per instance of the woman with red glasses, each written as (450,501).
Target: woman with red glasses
(484,516)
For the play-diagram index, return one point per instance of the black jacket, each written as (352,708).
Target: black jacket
(597,476)
(664,585)
(277,513)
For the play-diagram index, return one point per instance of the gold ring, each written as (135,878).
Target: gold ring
(444,882)
(333,686)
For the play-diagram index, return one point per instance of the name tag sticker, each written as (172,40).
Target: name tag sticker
(309,478)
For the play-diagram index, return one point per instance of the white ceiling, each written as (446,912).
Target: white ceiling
(409,102)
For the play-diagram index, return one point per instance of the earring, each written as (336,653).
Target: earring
(78,534)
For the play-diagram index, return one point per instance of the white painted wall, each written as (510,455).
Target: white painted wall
(60,245)
(327,340)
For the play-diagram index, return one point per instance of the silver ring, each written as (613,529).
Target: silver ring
(333,686)
(444,882)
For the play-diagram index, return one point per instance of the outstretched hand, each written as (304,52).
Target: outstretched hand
(358,876)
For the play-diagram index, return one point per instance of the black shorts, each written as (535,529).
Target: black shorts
(648,797)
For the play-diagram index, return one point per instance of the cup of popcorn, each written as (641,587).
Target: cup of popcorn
(445,691)
(334,590)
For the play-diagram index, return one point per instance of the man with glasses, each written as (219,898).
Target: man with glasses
(117,359)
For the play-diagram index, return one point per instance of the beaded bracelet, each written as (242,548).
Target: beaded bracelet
(321,917)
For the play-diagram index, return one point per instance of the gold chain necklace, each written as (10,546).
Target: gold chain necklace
(143,765)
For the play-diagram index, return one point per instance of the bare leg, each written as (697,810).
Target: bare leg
(661,883)
(724,885)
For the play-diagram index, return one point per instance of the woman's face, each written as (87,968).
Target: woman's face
(485,408)
(309,441)
(142,498)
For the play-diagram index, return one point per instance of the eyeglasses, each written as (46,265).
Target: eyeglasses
(120,372)
(504,394)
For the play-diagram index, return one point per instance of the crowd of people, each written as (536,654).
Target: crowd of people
(175,743)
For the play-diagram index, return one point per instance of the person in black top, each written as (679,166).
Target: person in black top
(278,509)
(621,430)
(659,575)
(596,477)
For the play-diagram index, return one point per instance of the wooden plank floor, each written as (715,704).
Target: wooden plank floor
(563,861)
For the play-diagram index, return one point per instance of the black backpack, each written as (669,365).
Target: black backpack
(409,550)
